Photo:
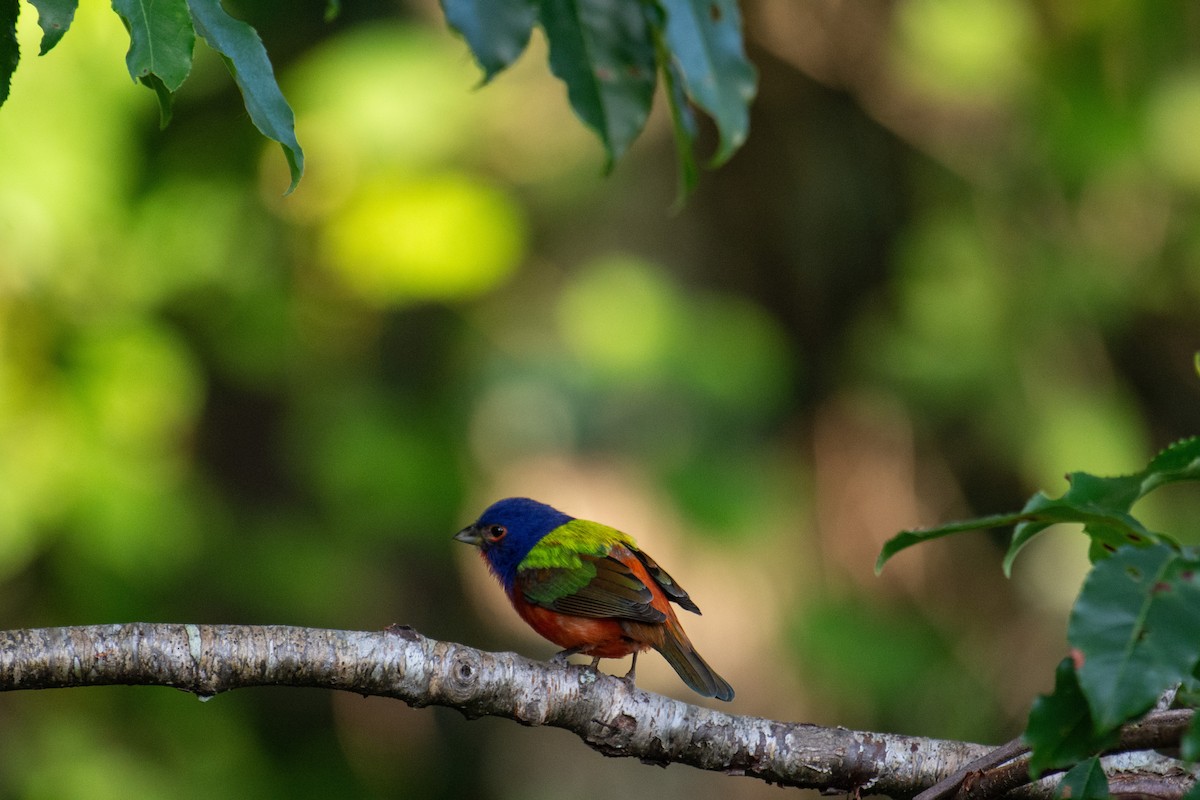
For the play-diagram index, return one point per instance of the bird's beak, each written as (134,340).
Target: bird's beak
(469,536)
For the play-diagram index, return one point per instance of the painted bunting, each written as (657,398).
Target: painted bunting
(588,588)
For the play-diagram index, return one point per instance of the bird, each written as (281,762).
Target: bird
(588,588)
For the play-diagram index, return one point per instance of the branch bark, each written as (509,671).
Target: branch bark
(608,714)
(1156,729)
(1007,767)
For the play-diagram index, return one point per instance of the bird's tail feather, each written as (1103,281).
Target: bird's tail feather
(693,669)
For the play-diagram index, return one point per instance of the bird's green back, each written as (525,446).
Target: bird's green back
(562,547)
(562,572)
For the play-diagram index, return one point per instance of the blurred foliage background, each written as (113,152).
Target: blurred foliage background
(956,259)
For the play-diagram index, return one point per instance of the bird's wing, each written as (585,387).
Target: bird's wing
(674,592)
(600,586)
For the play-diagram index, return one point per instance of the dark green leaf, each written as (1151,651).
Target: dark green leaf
(1188,693)
(165,97)
(1090,501)
(604,51)
(1193,793)
(1179,462)
(54,17)
(906,539)
(705,37)
(333,9)
(497,31)
(1137,623)
(161,40)
(1084,781)
(683,128)
(1103,504)
(247,60)
(1189,744)
(10,51)
(1060,728)
(683,121)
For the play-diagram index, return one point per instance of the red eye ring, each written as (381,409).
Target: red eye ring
(495,533)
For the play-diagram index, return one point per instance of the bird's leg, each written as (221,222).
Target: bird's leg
(629,676)
(596,663)
(560,659)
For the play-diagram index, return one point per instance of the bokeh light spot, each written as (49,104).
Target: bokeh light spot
(620,315)
(443,237)
(964,48)
(736,354)
(1173,121)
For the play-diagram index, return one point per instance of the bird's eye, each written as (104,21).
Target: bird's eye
(496,532)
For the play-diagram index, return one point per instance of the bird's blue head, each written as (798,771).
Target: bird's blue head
(507,530)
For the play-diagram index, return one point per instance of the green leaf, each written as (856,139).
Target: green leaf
(247,60)
(1103,504)
(1084,781)
(1189,743)
(54,17)
(705,37)
(333,9)
(166,97)
(1193,793)
(1060,729)
(683,129)
(906,539)
(10,51)
(1082,503)
(683,121)
(161,40)
(603,50)
(1179,462)
(1137,624)
(497,31)
(1188,693)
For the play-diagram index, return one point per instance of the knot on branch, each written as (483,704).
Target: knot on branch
(462,678)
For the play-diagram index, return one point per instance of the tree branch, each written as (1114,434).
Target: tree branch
(988,761)
(1156,729)
(1007,767)
(609,715)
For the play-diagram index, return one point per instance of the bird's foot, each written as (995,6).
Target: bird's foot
(560,659)
(631,676)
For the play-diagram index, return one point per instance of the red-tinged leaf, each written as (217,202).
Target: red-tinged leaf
(603,50)
(161,40)
(705,38)
(1084,781)
(1060,729)
(1137,623)
(54,18)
